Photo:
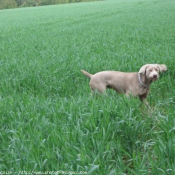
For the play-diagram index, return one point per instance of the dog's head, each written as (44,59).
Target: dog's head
(152,70)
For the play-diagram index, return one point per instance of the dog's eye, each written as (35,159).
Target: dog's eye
(150,70)
(156,70)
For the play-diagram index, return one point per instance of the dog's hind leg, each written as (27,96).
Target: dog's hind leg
(100,88)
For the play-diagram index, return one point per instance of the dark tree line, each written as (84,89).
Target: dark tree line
(5,4)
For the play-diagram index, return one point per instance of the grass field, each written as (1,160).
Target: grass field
(48,119)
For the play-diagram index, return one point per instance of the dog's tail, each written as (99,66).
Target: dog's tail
(87,73)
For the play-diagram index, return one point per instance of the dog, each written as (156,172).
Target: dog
(131,83)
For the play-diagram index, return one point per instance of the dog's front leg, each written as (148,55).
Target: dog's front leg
(144,100)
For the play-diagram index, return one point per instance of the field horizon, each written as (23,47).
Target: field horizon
(49,120)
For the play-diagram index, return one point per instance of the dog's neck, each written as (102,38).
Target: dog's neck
(144,82)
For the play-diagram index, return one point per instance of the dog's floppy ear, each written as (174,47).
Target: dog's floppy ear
(143,69)
(162,67)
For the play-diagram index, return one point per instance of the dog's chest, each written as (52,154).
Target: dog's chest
(137,91)
(143,90)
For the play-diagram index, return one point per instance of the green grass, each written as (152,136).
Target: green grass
(50,122)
